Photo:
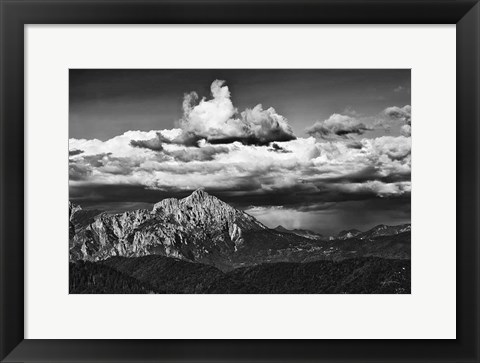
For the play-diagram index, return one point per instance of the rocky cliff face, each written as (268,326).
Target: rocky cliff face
(72,209)
(198,228)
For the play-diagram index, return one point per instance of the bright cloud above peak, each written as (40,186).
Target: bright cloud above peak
(218,121)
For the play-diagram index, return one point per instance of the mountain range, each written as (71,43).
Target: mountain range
(301,232)
(203,229)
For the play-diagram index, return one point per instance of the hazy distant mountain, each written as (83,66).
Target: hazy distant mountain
(348,234)
(202,228)
(383,230)
(301,232)
(377,231)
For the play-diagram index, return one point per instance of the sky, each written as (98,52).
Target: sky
(323,150)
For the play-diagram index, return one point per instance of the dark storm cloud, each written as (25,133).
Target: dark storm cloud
(246,194)
(193,152)
(277,148)
(78,172)
(390,211)
(191,139)
(100,195)
(337,125)
(82,168)
(370,173)
(355,145)
(275,135)
(155,144)
(75,152)
(205,153)
(303,197)
(329,218)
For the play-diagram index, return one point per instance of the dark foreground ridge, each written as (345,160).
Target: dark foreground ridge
(160,274)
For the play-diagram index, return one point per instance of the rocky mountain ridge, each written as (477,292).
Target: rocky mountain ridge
(199,228)
(202,228)
(377,231)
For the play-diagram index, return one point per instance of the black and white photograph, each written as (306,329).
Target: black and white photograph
(239,181)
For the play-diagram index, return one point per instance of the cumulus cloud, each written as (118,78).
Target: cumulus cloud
(376,187)
(309,175)
(400,113)
(337,125)
(78,172)
(119,145)
(266,126)
(152,144)
(395,148)
(218,121)
(406,130)
(277,148)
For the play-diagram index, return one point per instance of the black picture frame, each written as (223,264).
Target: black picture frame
(15,14)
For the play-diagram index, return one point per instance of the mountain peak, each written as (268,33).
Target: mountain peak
(199,194)
(199,198)
(199,227)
